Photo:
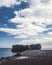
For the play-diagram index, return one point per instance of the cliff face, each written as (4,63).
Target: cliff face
(20,48)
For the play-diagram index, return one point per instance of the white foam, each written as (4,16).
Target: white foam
(22,57)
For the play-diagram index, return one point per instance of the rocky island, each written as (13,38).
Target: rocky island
(20,48)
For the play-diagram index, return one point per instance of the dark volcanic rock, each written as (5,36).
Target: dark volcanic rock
(21,48)
(35,47)
(3,58)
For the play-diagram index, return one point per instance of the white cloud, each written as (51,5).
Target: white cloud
(36,12)
(45,1)
(45,42)
(39,13)
(8,3)
(24,31)
(50,34)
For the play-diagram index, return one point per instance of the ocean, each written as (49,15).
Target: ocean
(5,52)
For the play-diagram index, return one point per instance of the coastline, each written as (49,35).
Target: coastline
(46,59)
(28,61)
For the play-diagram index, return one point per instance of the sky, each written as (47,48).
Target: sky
(25,22)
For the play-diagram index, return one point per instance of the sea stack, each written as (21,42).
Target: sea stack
(21,48)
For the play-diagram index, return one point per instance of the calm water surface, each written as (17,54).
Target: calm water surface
(5,52)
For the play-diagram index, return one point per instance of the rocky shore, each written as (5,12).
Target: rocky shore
(29,57)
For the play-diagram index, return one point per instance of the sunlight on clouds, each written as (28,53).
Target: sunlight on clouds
(39,12)
(33,21)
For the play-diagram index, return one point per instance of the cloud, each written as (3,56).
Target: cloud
(50,34)
(45,1)
(24,31)
(33,22)
(8,3)
(36,12)
(45,42)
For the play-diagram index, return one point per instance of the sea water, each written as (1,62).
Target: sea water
(5,52)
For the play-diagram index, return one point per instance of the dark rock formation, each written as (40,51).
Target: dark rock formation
(2,58)
(35,47)
(20,48)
